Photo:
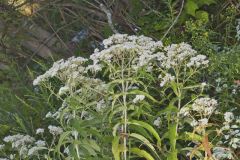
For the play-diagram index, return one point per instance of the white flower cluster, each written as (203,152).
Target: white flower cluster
(40,143)
(166,79)
(229,117)
(138,48)
(21,143)
(137,40)
(67,151)
(57,114)
(27,146)
(221,153)
(2,146)
(33,151)
(198,61)
(94,84)
(143,50)
(86,115)
(203,108)
(238,30)
(19,140)
(4,159)
(157,122)
(175,55)
(134,51)
(40,131)
(65,70)
(63,90)
(138,98)
(100,105)
(231,131)
(54,130)
(221,85)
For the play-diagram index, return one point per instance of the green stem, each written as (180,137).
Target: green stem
(124,127)
(174,141)
(76,137)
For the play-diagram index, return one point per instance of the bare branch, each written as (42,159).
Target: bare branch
(174,22)
(109,17)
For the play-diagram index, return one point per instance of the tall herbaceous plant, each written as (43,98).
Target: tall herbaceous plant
(134,98)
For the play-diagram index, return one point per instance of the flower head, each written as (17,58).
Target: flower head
(54,130)
(39,131)
(138,98)
(228,116)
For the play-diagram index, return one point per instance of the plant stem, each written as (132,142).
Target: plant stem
(177,120)
(124,90)
(125,128)
(76,137)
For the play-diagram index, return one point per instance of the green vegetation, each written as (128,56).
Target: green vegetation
(170,94)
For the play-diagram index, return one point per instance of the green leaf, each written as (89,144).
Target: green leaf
(4,129)
(79,123)
(202,15)
(140,130)
(89,148)
(141,153)
(172,155)
(26,104)
(191,137)
(20,122)
(117,109)
(62,141)
(73,152)
(174,87)
(192,86)
(136,7)
(171,108)
(115,129)
(172,135)
(116,148)
(191,7)
(144,140)
(205,2)
(147,127)
(94,145)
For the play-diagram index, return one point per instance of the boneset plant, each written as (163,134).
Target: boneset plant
(134,98)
